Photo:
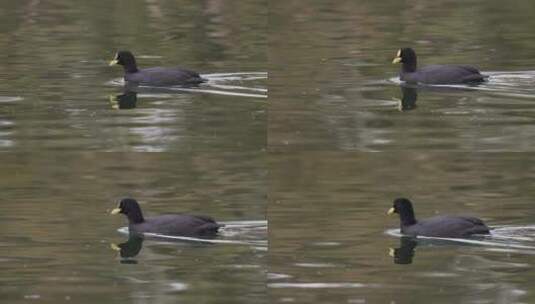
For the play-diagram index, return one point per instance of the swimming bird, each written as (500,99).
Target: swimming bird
(169,224)
(446,226)
(434,74)
(156,76)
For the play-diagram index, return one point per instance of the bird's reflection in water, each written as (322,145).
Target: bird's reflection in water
(124,101)
(405,253)
(129,249)
(409,95)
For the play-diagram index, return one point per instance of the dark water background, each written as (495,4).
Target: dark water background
(330,236)
(59,112)
(331,75)
(56,230)
(333,95)
(55,83)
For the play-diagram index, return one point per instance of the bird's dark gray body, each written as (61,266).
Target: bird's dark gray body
(443,74)
(157,76)
(434,74)
(168,224)
(446,226)
(177,224)
(160,76)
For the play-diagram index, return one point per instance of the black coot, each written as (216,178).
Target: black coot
(438,226)
(170,224)
(435,74)
(157,76)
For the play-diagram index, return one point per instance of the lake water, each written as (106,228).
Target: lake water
(57,233)
(332,242)
(55,82)
(298,161)
(335,96)
(62,106)
(332,81)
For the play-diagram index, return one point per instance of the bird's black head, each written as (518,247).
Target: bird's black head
(126,59)
(407,57)
(403,207)
(130,208)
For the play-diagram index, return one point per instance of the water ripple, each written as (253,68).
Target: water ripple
(237,230)
(519,239)
(218,84)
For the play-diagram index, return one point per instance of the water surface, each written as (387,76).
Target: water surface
(331,75)
(332,242)
(55,82)
(56,231)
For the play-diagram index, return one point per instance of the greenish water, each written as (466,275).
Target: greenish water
(334,96)
(57,117)
(55,81)
(330,236)
(57,231)
(331,76)
(297,160)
